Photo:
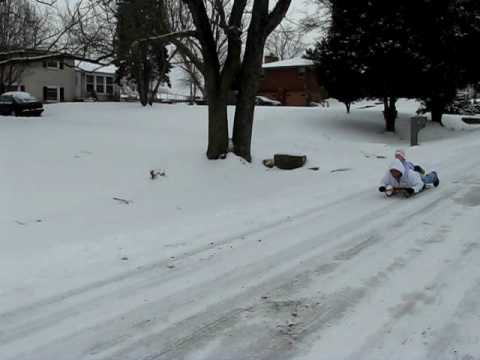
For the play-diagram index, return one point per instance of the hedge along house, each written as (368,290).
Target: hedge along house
(293,82)
(95,82)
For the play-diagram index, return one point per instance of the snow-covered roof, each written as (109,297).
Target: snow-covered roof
(295,62)
(93,67)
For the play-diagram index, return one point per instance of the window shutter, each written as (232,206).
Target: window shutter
(62,94)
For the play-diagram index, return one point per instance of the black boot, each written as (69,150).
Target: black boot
(436,182)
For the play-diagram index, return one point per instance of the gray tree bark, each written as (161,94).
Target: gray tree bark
(390,113)
(262,24)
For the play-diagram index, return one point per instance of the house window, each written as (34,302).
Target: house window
(100,87)
(53,64)
(301,72)
(51,93)
(90,84)
(11,88)
(109,86)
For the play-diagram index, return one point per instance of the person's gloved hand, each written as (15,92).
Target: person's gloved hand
(382,188)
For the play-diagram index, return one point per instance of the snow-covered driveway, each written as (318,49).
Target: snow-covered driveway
(298,265)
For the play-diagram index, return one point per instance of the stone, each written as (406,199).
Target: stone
(289,162)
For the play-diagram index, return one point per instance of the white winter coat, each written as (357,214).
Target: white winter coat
(409,179)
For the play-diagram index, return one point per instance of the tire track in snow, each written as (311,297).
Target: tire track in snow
(354,250)
(278,344)
(455,338)
(41,321)
(428,304)
(285,221)
(333,235)
(344,253)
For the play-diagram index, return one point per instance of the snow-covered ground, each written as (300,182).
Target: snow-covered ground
(224,259)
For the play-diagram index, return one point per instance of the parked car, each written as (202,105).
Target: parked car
(129,96)
(263,100)
(166,101)
(20,103)
(322,103)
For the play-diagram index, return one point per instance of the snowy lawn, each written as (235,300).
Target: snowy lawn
(229,258)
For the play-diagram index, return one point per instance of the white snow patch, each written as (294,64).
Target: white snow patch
(295,62)
(219,255)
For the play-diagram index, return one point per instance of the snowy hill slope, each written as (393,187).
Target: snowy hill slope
(228,260)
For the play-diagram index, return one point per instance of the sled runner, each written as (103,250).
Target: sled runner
(389,192)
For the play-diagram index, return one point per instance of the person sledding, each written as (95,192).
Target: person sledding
(403,179)
(400,155)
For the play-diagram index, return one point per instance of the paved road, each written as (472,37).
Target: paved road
(357,278)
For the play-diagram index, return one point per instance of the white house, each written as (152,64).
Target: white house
(94,81)
(50,80)
(57,77)
(62,77)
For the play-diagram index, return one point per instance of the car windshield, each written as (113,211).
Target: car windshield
(25,97)
(21,96)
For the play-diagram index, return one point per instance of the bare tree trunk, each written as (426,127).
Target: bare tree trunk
(160,75)
(2,80)
(245,109)
(262,24)
(220,79)
(390,113)
(143,86)
(217,124)
(437,108)
(153,93)
(143,92)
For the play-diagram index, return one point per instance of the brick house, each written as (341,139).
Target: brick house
(293,82)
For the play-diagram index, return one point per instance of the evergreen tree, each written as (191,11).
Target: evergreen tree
(437,43)
(146,62)
(444,43)
(338,66)
(368,54)
(406,48)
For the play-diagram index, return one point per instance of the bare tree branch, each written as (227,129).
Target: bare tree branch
(166,37)
(286,42)
(277,14)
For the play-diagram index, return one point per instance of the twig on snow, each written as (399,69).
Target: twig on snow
(123,201)
(155,173)
(340,170)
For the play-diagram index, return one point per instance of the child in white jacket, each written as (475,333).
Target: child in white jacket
(400,177)
(400,155)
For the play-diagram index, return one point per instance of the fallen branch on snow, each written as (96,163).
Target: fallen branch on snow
(123,201)
(155,173)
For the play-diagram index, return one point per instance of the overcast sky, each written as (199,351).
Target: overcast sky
(297,9)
